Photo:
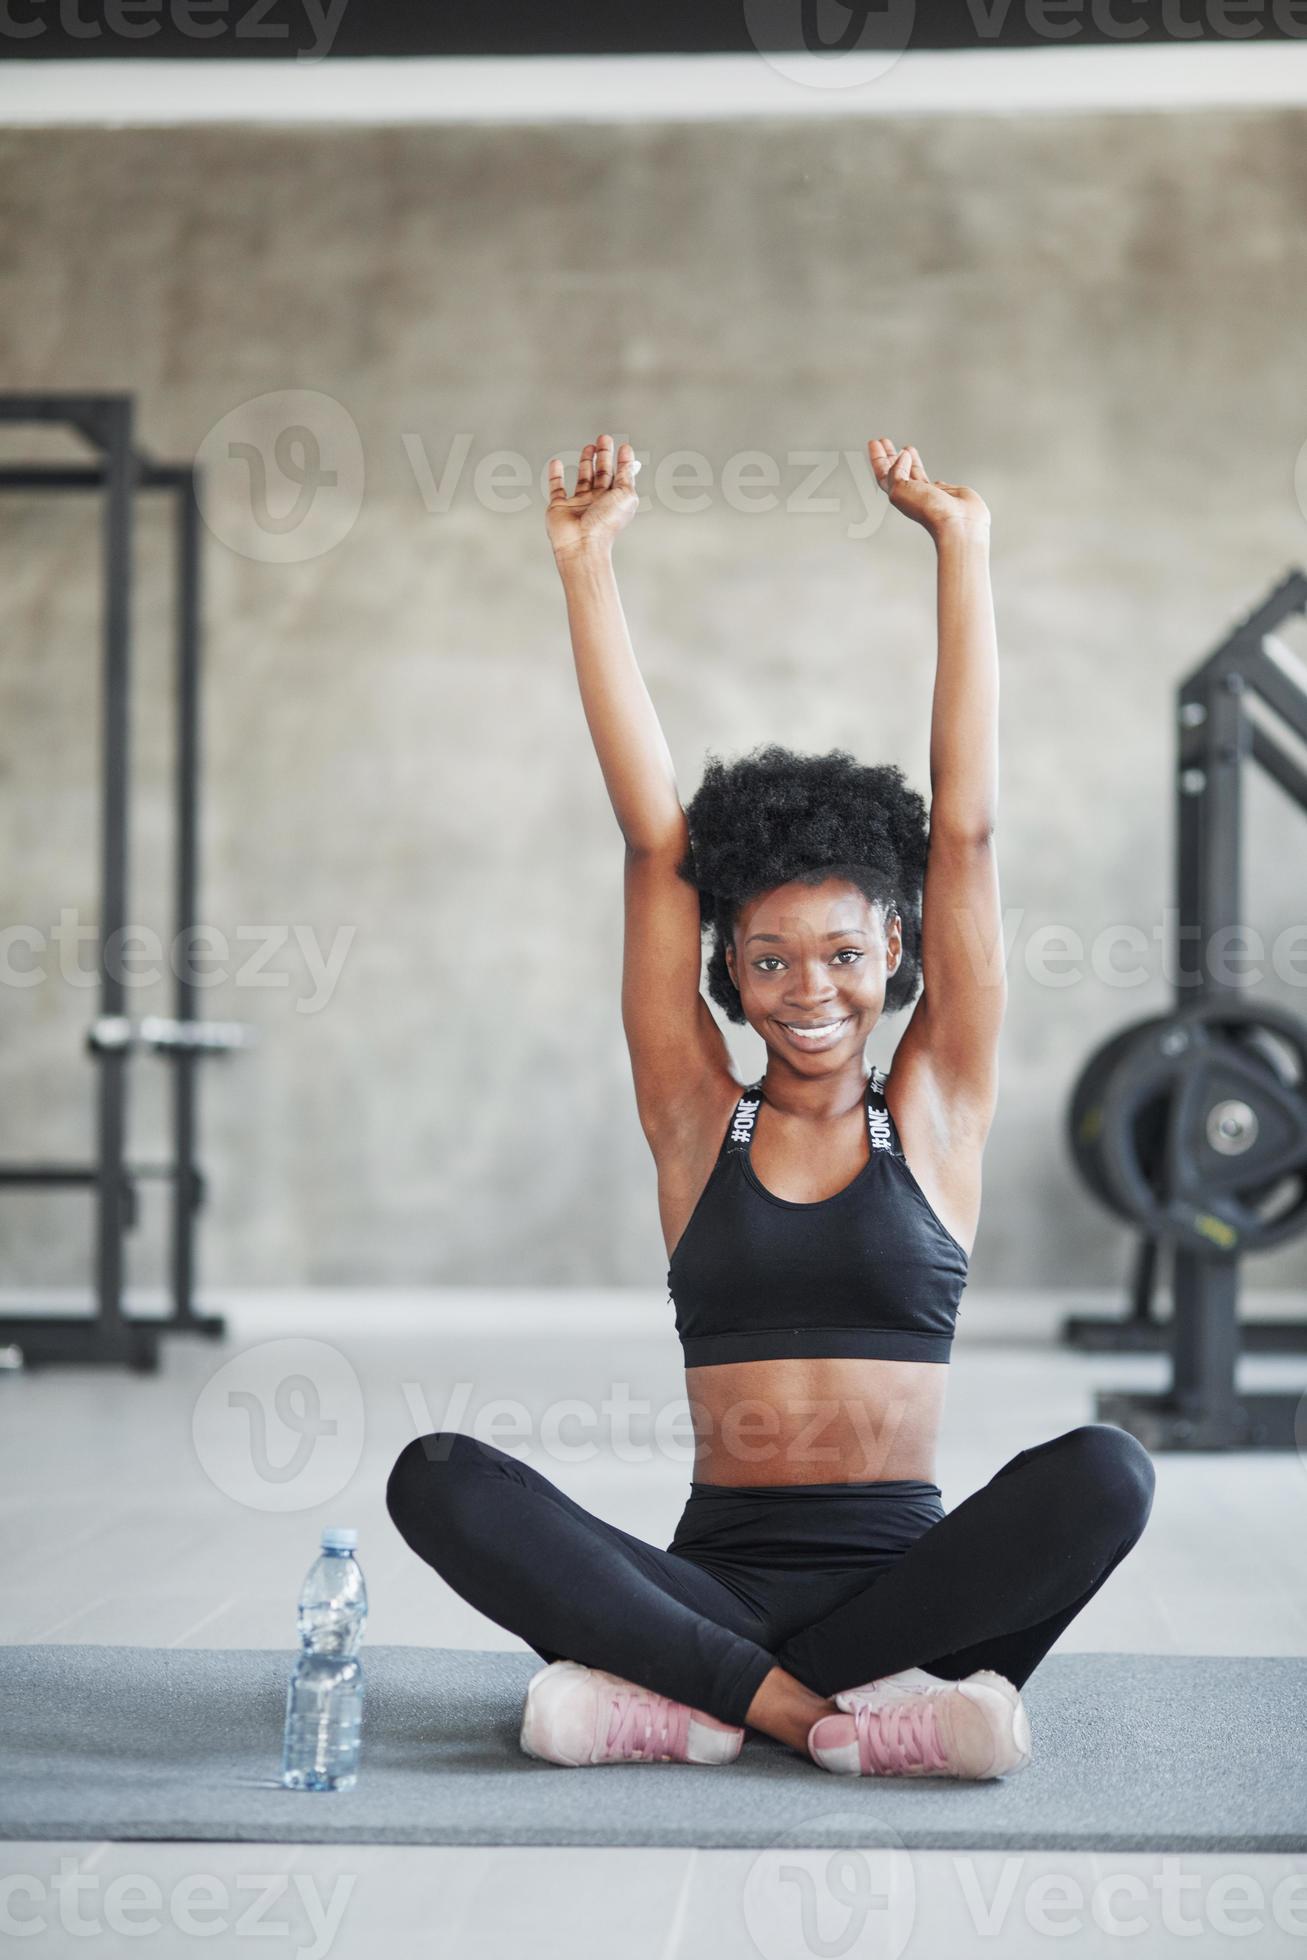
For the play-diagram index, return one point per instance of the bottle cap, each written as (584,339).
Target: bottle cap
(339,1538)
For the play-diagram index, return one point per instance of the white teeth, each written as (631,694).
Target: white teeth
(814,1033)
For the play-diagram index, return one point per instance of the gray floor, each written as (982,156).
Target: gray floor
(182,1509)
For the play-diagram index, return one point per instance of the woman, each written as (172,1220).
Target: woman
(819,1227)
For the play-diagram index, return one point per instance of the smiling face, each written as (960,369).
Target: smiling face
(815,957)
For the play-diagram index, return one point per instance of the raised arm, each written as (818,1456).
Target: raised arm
(637,766)
(679,1056)
(951,1042)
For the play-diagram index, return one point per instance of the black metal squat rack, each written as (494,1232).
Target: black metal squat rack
(1218,728)
(109,1336)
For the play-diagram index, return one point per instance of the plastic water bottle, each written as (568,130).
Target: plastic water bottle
(324,1704)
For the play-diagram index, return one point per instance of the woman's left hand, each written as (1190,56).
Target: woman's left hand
(939,507)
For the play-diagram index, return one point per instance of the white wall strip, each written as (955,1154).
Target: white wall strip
(655,88)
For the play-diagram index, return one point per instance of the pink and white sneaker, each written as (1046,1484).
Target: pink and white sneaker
(915,1724)
(578,1715)
(916,1681)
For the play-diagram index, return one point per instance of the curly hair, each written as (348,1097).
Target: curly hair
(776,817)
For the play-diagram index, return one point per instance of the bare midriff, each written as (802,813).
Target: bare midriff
(816,1421)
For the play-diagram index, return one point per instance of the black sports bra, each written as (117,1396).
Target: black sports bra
(871,1271)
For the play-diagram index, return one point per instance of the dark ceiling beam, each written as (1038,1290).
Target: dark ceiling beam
(315,29)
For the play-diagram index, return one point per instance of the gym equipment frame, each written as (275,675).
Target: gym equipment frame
(108,1335)
(1203,1409)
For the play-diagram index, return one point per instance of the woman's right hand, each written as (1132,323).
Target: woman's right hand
(602,504)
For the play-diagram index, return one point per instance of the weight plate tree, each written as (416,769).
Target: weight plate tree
(1192,1126)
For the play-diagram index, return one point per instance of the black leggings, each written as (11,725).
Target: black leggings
(836,1583)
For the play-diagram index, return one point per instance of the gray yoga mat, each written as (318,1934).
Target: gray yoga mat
(1154,1752)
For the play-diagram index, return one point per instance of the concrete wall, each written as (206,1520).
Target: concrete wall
(1095,320)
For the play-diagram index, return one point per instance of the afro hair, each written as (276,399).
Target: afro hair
(776,817)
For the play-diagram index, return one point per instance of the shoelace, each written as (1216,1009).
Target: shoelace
(888,1689)
(895,1736)
(643,1727)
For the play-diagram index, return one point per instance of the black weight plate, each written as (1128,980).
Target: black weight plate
(1201,1202)
(1084,1114)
